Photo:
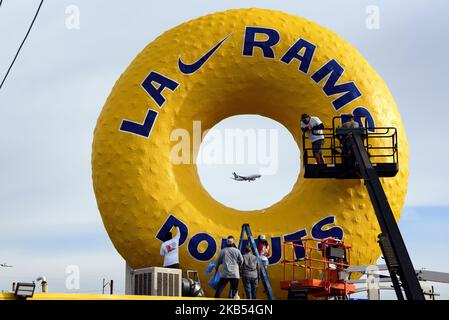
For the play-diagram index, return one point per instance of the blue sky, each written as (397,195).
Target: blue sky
(51,101)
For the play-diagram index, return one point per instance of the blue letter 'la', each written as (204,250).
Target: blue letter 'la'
(266,46)
(305,59)
(143,129)
(156,92)
(334,70)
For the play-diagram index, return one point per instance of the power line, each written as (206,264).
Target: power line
(23,41)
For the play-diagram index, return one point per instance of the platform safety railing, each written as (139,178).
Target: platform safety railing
(381,143)
(315,263)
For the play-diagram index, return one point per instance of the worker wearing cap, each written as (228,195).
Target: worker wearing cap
(264,250)
(250,273)
(314,127)
(231,260)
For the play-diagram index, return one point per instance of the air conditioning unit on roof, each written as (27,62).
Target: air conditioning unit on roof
(156,281)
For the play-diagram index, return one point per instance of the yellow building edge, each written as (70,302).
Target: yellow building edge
(88,296)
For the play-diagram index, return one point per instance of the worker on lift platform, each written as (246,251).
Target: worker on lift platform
(334,251)
(314,127)
(347,157)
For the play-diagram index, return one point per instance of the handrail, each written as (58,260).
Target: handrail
(309,258)
(332,149)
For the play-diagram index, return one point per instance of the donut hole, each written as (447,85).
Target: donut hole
(248,145)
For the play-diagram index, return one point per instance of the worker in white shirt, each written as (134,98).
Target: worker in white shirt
(314,127)
(170,249)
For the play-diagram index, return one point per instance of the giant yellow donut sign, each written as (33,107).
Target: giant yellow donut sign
(245,61)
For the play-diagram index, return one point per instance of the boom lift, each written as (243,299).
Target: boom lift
(352,156)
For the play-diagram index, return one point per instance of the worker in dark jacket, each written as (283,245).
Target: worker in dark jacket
(250,273)
(347,154)
(231,260)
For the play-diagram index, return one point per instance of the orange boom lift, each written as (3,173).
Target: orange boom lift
(319,274)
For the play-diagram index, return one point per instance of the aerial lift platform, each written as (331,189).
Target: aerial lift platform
(369,153)
(319,271)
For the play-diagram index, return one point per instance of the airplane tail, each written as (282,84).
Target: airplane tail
(235,175)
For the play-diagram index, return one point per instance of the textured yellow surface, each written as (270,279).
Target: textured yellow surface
(137,186)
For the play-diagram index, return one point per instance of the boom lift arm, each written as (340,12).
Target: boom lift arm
(355,163)
(390,240)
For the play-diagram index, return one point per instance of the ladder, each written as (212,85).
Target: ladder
(264,272)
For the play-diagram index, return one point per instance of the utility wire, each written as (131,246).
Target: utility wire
(23,41)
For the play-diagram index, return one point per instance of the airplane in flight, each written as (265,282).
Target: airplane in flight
(4,265)
(245,178)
